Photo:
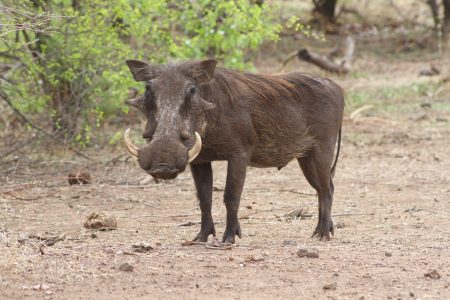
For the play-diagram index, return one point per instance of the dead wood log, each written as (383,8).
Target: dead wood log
(326,62)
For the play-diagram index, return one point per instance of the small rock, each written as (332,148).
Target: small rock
(433,274)
(141,247)
(23,237)
(310,253)
(249,207)
(340,225)
(126,267)
(411,294)
(93,236)
(99,221)
(41,287)
(388,254)
(330,286)
(79,176)
(215,242)
(289,243)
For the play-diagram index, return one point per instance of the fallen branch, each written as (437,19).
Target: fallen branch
(325,62)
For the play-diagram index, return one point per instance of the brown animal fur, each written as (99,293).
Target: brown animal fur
(259,120)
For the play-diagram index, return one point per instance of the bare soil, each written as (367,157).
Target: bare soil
(391,202)
(391,208)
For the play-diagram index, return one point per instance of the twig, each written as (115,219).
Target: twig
(192,243)
(290,57)
(414,209)
(27,199)
(5,97)
(151,205)
(9,161)
(182,216)
(353,214)
(33,137)
(114,159)
(225,247)
(189,223)
(130,186)
(298,192)
(355,113)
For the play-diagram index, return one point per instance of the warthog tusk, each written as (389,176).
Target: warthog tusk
(130,146)
(195,150)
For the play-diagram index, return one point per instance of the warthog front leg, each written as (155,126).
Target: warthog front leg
(235,183)
(203,178)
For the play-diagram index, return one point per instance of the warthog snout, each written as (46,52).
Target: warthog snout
(164,171)
(164,159)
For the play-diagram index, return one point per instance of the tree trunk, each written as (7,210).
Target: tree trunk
(446,27)
(435,13)
(326,9)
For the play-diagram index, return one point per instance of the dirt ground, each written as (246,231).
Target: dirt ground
(391,200)
(391,208)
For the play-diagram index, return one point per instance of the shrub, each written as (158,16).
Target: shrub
(74,73)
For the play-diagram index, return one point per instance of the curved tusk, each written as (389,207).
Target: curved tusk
(130,146)
(195,150)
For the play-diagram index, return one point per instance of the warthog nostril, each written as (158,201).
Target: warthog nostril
(163,171)
(185,135)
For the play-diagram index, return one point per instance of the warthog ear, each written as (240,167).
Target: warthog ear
(136,102)
(205,105)
(142,71)
(202,71)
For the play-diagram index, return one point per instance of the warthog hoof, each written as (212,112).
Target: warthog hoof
(323,229)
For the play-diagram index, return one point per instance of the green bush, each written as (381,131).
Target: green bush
(75,72)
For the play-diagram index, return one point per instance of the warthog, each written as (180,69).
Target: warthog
(197,113)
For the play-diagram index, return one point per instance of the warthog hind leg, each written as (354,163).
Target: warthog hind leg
(316,167)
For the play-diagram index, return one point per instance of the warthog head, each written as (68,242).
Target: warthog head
(173,109)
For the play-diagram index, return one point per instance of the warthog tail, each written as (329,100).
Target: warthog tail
(333,168)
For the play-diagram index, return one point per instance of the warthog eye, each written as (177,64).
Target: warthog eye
(190,92)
